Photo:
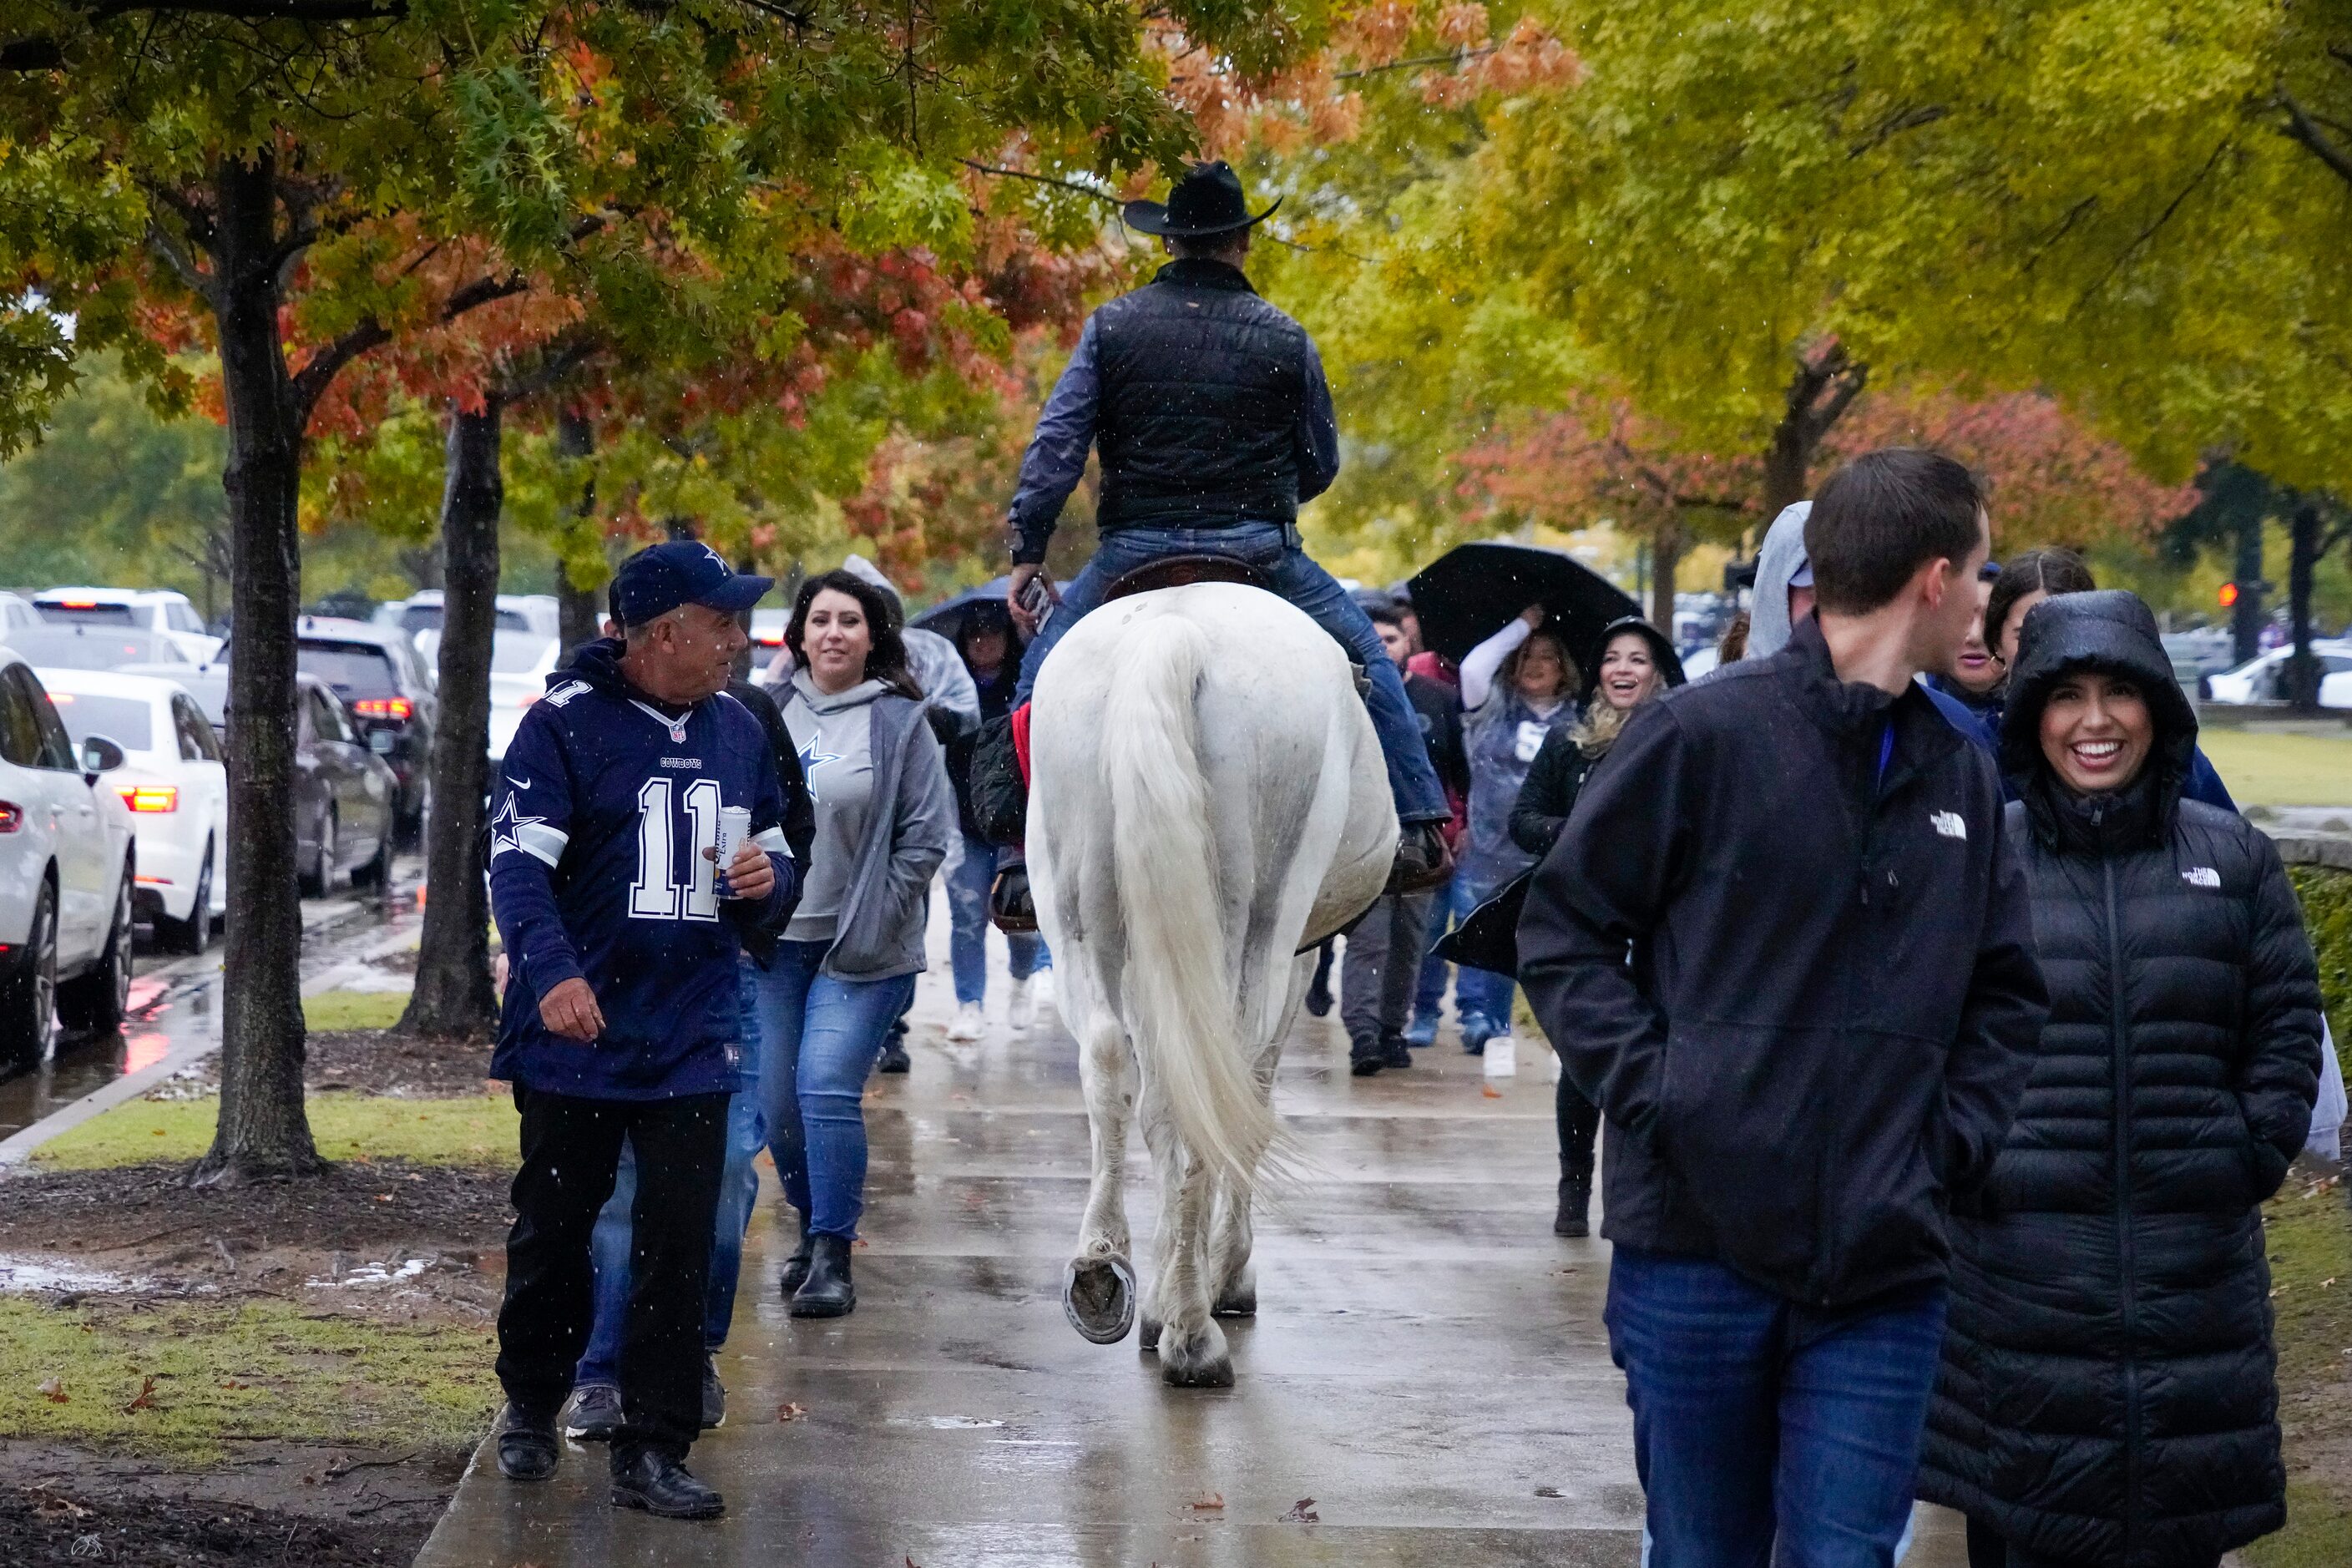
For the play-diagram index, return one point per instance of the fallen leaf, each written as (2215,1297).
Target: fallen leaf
(1209,1500)
(1490,1092)
(1302,1512)
(49,1505)
(53,1390)
(231,1382)
(146,1400)
(1547,1491)
(791,1412)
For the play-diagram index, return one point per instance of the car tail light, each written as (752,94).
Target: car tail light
(151,797)
(383,707)
(12,816)
(529,697)
(79,604)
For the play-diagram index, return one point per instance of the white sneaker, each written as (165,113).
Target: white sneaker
(967,1025)
(1022,1011)
(1041,989)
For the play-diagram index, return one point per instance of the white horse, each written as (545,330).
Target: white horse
(1207,800)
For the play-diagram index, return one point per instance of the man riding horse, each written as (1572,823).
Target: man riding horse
(1213,421)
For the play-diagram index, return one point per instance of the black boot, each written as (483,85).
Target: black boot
(1319,987)
(1365,1058)
(1395,1053)
(893,1057)
(796,1266)
(1575,1204)
(827,1292)
(527,1443)
(1422,860)
(646,1478)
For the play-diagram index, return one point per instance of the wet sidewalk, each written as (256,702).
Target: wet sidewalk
(1427,1380)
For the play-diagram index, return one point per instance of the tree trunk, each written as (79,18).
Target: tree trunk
(262,1129)
(1825,385)
(578,611)
(2303,557)
(2246,615)
(454,998)
(1665,556)
(1787,467)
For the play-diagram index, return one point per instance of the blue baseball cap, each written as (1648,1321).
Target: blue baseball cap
(660,577)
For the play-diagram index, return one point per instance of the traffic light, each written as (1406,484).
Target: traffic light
(2229,595)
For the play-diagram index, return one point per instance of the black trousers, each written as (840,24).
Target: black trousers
(570,1151)
(1381,966)
(1579,1124)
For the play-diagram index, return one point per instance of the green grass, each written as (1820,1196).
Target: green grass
(2327,897)
(2310,1239)
(2267,768)
(255,1370)
(477,1130)
(354,1009)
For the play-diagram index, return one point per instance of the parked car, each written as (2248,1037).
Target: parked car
(375,670)
(175,785)
(2262,678)
(516,685)
(421,613)
(345,797)
(16,614)
(96,646)
(68,865)
(155,610)
(2198,653)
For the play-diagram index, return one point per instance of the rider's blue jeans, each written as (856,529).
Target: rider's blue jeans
(1274,548)
(738,1187)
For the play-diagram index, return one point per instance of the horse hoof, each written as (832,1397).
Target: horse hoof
(1215,1372)
(1148,1341)
(1098,1298)
(1238,1302)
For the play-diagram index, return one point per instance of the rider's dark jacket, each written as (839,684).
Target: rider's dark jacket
(1207,405)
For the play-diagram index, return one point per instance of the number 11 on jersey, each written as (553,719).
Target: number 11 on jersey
(654,896)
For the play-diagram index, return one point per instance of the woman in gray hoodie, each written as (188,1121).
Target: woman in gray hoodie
(846,965)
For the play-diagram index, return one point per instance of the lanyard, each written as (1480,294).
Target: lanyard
(1886,750)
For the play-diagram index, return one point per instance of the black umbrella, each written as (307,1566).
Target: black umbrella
(1469,594)
(947,616)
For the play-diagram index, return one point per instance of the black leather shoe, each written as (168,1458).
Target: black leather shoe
(894,1056)
(650,1480)
(593,1415)
(827,1292)
(1363,1062)
(527,1445)
(714,1397)
(1395,1053)
(1011,908)
(1422,860)
(796,1266)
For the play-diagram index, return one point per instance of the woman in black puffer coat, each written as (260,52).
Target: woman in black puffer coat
(2108,1395)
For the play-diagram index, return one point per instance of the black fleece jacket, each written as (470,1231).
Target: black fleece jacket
(1822,1032)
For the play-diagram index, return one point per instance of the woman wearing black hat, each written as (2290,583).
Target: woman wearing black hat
(1633,663)
(2108,1394)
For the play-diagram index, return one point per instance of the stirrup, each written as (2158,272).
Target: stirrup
(1011,909)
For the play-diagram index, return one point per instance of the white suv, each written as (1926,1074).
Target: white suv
(159,610)
(67,870)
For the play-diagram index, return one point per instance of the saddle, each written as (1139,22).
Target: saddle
(1181,570)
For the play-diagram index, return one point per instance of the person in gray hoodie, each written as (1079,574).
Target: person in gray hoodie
(846,965)
(1784,582)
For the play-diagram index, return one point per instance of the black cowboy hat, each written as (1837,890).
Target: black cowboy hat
(1206,202)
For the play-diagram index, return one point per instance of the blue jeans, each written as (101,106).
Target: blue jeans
(739,1187)
(1274,548)
(968,880)
(1758,1420)
(1453,903)
(819,1038)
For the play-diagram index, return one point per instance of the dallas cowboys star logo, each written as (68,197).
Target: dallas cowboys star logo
(506,827)
(813,759)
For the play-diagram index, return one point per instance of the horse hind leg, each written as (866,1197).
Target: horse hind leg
(1235,1279)
(1099,1287)
(1192,1352)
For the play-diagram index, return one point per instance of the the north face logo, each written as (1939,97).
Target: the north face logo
(2201,877)
(1950,824)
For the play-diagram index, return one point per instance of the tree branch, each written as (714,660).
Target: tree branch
(318,373)
(2154,224)
(2300,126)
(259,10)
(1039,179)
(1457,59)
(166,244)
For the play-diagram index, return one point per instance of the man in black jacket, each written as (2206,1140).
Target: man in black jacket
(1209,412)
(1819,1038)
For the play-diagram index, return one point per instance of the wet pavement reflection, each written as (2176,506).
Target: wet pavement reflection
(175,1002)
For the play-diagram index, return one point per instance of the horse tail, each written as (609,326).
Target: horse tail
(1177,986)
